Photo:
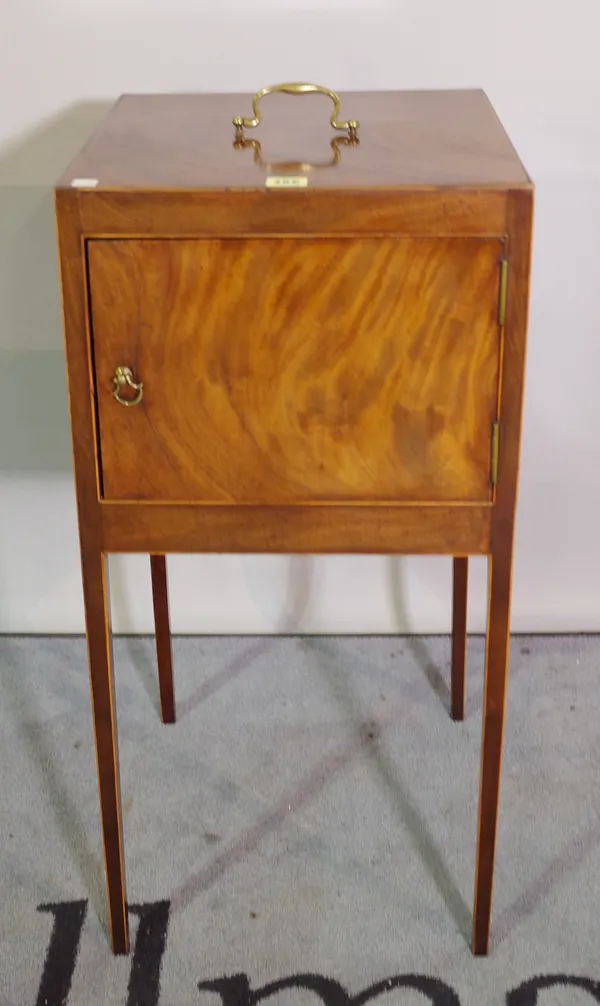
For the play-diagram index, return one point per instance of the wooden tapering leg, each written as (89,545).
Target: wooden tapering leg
(160,599)
(459,635)
(500,567)
(99,640)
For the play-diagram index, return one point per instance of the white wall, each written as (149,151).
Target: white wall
(61,64)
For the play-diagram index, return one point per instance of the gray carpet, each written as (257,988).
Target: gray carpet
(310,822)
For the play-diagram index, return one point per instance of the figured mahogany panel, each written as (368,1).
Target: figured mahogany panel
(183,213)
(407,138)
(284,371)
(339,529)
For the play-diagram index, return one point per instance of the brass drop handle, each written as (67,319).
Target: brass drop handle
(123,378)
(240,123)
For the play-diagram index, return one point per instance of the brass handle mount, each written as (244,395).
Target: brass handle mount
(123,378)
(241,123)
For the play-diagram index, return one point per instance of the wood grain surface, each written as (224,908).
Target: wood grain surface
(460,587)
(162,631)
(414,138)
(501,560)
(94,567)
(282,371)
(388,530)
(310,212)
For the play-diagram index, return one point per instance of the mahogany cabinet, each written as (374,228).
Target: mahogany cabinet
(291,333)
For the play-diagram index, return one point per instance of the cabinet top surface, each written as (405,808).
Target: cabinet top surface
(407,139)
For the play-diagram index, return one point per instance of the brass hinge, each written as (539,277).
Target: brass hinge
(503,292)
(495,452)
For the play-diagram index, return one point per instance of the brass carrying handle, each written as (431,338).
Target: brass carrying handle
(123,378)
(240,123)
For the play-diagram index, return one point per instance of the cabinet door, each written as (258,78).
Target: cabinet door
(290,370)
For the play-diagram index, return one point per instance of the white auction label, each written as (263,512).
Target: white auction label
(286,182)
